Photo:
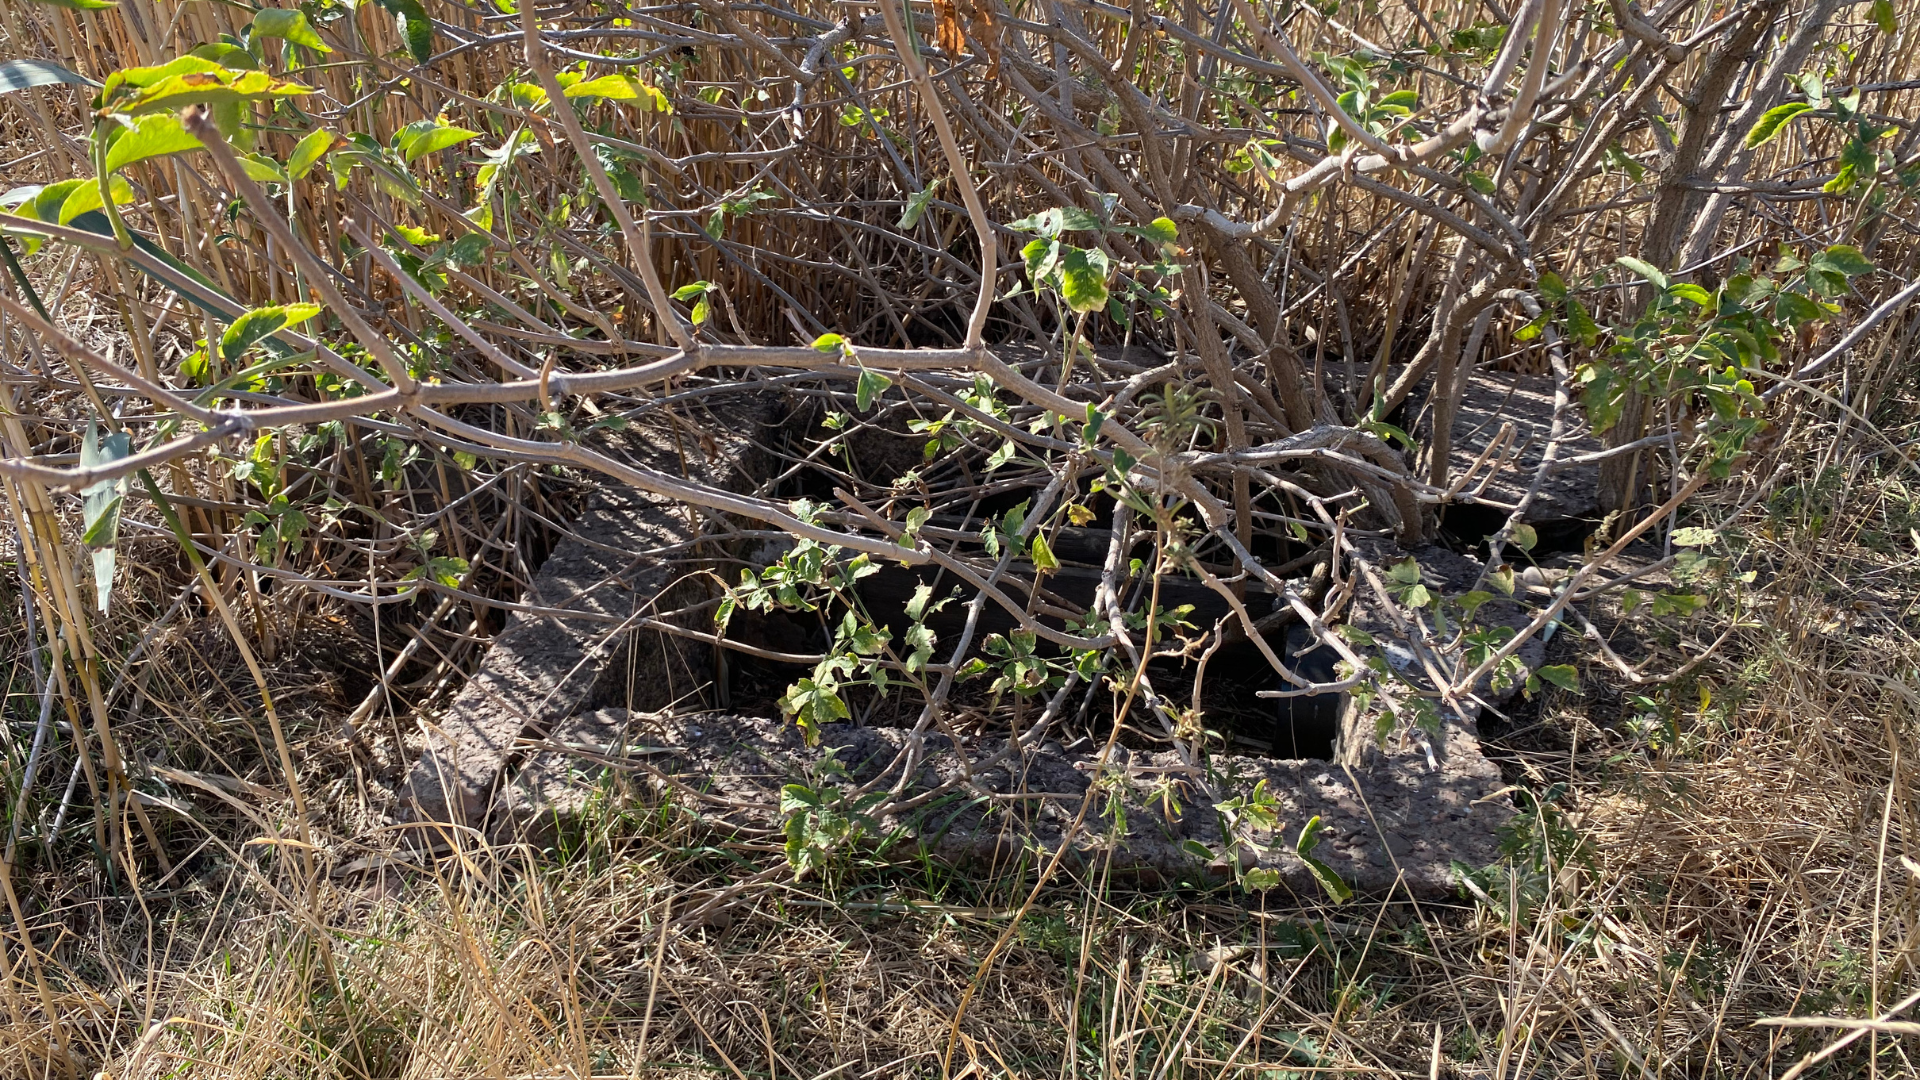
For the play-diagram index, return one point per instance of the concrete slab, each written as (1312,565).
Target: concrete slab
(1397,822)
(627,556)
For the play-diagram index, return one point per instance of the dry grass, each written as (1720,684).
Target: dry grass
(1677,892)
(1738,847)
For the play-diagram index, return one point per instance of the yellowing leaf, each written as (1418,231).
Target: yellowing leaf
(1043,557)
(1775,121)
(189,79)
(260,323)
(610,87)
(149,137)
(614,88)
(306,153)
(1083,276)
(86,197)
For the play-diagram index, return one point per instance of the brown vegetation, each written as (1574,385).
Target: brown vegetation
(1207,290)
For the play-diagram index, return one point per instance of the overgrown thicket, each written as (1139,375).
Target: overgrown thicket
(318,321)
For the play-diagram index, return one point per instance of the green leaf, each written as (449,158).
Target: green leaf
(1257,153)
(262,169)
(702,311)
(606,87)
(828,343)
(917,204)
(1553,287)
(289,24)
(226,54)
(1645,269)
(388,174)
(152,136)
(80,5)
(1001,456)
(1841,259)
(1162,231)
(469,250)
(1620,159)
(1339,891)
(42,202)
(410,18)
(423,137)
(1090,433)
(448,569)
(1083,279)
(1042,554)
(1400,101)
(86,197)
(922,592)
(306,152)
(1883,16)
(1040,257)
(692,289)
(870,384)
(1260,879)
(1309,836)
(20,74)
(1692,294)
(796,798)
(101,502)
(1580,324)
(1480,182)
(1354,635)
(1051,223)
(1775,120)
(517,145)
(261,323)
(526,95)
(1683,604)
(1564,676)
(1524,536)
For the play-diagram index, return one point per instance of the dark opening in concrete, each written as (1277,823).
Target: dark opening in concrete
(1231,682)
(1468,526)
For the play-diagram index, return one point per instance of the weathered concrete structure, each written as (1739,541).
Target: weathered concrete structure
(583,683)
